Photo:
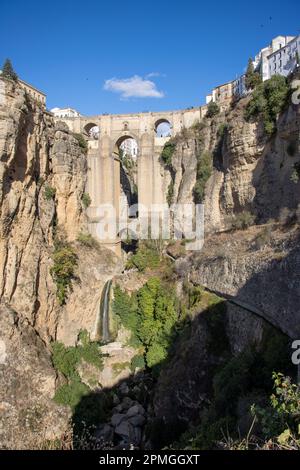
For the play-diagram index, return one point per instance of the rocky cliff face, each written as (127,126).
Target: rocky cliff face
(251,171)
(42,181)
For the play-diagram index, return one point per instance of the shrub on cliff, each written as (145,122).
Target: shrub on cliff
(66,360)
(49,192)
(204,171)
(63,270)
(71,394)
(252,78)
(267,101)
(125,306)
(167,153)
(212,109)
(87,240)
(170,193)
(86,200)
(145,257)
(82,142)
(150,314)
(242,220)
(8,71)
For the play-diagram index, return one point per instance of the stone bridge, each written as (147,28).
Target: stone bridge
(103,183)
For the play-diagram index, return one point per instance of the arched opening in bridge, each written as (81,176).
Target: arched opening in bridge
(91,130)
(129,240)
(163,128)
(126,151)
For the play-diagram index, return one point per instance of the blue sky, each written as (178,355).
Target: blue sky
(94,56)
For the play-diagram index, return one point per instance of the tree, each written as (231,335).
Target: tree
(8,71)
(212,109)
(252,78)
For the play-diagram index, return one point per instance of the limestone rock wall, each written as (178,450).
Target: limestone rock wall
(251,170)
(37,156)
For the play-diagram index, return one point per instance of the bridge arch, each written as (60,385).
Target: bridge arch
(121,139)
(91,130)
(163,128)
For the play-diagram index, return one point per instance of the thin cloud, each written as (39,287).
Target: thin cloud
(155,74)
(133,87)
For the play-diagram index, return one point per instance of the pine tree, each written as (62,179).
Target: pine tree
(8,71)
(252,78)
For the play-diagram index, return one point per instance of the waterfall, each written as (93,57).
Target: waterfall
(104,312)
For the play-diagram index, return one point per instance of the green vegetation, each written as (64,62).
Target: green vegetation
(212,109)
(137,362)
(193,294)
(147,256)
(204,171)
(252,78)
(8,71)
(247,376)
(70,394)
(49,192)
(82,142)
(283,413)
(295,176)
(167,152)
(127,161)
(268,100)
(88,408)
(150,314)
(66,359)
(86,200)
(86,239)
(170,193)
(242,220)
(63,269)
(125,306)
(222,129)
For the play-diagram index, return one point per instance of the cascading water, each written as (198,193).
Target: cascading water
(104,312)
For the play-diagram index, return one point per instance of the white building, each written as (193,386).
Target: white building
(129,147)
(261,62)
(279,57)
(65,112)
(239,86)
(283,61)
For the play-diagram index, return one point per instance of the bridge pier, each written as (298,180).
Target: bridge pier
(103,177)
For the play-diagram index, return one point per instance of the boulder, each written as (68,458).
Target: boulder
(137,420)
(124,429)
(126,403)
(117,418)
(135,409)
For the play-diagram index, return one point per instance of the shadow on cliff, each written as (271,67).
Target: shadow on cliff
(275,290)
(18,169)
(274,189)
(198,381)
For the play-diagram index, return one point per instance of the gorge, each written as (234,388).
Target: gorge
(169,362)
